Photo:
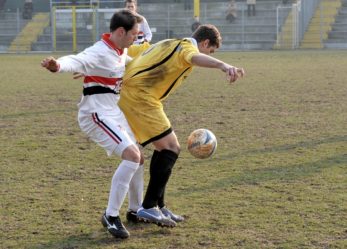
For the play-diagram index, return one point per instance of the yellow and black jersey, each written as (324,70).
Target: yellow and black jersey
(150,77)
(161,68)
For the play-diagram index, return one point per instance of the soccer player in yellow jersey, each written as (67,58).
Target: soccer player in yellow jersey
(149,79)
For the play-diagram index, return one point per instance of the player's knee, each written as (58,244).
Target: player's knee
(175,148)
(132,153)
(169,142)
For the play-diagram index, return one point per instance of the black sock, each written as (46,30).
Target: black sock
(154,156)
(161,202)
(153,160)
(160,170)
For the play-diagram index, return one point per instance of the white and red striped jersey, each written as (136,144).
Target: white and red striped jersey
(103,67)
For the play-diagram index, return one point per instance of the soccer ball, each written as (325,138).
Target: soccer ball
(202,143)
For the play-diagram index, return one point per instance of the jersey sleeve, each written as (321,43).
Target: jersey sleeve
(78,63)
(188,51)
(136,49)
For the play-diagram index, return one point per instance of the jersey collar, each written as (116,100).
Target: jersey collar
(195,43)
(106,39)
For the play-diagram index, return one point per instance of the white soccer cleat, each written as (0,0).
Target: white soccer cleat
(154,215)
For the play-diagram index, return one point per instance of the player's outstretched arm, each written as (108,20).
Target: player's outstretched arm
(51,64)
(232,73)
(72,63)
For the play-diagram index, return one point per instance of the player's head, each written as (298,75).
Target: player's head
(208,38)
(124,27)
(131,5)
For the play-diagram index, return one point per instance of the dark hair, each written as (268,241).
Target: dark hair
(130,1)
(210,32)
(124,18)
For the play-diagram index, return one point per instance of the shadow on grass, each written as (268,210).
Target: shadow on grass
(81,241)
(288,173)
(102,238)
(287,147)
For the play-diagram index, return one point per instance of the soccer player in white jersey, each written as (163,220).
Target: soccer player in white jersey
(103,67)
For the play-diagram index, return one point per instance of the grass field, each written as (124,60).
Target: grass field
(277,180)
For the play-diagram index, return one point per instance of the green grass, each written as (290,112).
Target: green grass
(277,180)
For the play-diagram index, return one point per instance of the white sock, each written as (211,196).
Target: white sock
(119,186)
(135,193)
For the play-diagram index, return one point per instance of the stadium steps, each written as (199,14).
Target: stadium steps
(64,40)
(10,26)
(285,36)
(30,33)
(321,24)
(337,37)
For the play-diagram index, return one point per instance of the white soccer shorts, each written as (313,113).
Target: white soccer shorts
(111,132)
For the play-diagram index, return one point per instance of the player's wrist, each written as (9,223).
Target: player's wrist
(56,69)
(225,67)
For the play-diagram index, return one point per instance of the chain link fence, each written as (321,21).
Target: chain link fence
(73,26)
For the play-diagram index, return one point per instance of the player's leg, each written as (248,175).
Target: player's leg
(135,193)
(163,145)
(119,189)
(154,126)
(163,160)
(121,179)
(161,200)
(107,132)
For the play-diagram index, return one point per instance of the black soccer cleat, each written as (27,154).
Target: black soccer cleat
(114,226)
(132,216)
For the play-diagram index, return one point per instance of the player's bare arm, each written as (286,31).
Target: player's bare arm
(233,73)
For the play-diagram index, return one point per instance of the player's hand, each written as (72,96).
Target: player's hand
(51,64)
(234,73)
(77,75)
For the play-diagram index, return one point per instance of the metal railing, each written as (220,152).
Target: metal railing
(109,4)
